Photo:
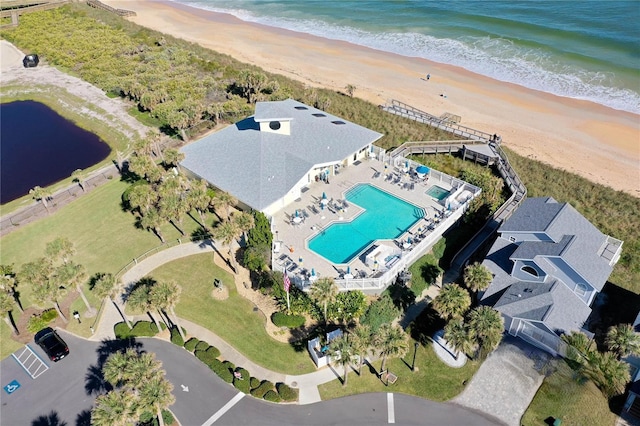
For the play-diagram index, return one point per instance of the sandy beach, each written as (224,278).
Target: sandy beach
(596,142)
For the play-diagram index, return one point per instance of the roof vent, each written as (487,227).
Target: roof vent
(338,122)
(528,290)
(519,295)
(301,108)
(317,114)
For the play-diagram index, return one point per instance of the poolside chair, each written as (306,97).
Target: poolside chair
(412,186)
(376,175)
(305,214)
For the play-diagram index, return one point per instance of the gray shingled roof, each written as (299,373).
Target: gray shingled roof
(551,303)
(533,215)
(259,168)
(577,241)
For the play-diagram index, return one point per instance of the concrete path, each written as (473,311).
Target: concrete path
(506,382)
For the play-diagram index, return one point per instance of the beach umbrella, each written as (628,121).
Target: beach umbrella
(324,196)
(297,213)
(313,272)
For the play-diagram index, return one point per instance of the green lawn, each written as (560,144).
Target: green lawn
(232,319)
(7,344)
(433,380)
(575,401)
(104,236)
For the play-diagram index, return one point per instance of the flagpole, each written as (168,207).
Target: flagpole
(288,306)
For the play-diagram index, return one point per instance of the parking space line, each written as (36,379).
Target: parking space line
(224,409)
(28,356)
(391,416)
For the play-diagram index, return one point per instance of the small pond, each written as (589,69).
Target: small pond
(40,148)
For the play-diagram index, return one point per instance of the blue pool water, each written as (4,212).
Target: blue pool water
(385,217)
(437,192)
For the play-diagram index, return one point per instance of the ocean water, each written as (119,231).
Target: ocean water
(580,49)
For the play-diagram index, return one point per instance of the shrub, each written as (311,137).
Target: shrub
(213,351)
(140,329)
(231,366)
(221,370)
(244,373)
(261,390)
(280,319)
(254,383)
(176,338)
(271,396)
(202,346)
(190,344)
(242,384)
(38,322)
(206,356)
(382,311)
(286,392)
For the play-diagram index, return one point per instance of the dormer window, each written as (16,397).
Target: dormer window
(274,125)
(529,270)
(581,289)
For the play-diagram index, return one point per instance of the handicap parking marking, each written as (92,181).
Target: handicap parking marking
(12,387)
(30,362)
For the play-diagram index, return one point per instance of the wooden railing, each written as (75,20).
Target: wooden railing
(120,12)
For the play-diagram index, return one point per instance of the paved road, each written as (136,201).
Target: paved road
(65,394)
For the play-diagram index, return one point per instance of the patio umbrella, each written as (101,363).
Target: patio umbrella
(297,213)
(313,272)
(348,270)
(324,196)
(422,170)
(300,261)
(406,164)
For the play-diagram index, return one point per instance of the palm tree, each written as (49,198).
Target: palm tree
(116,408)
(156,394)
(244,221)
(143,198)
(78,177)
(172,208)
(486,326)
(60,249)
(173,157)
(140,299)
(152,220)
(390,341)
(7,304)
(199,198)
(361,342)
(579,346)
(623,340)
(73,274)
(104,285)
(341,350)
(227,232)
(456,333)
(477,277)
(608,373)
(452,301)
(42,195)
(40,277)
(222,202)
(8,284)
(166,295)
(323,292)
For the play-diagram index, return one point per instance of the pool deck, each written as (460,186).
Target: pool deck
(292,238)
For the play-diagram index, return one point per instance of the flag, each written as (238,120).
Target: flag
(287,282)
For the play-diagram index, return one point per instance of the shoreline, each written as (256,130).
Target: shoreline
(591,140)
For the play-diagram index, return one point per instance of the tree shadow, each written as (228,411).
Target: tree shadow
(50,419)
(430,273)
(402,296)
(425,325)
(84,418)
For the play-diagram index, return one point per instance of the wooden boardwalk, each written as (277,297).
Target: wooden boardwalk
(476,146)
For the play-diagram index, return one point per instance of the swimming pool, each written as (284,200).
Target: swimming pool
(385,217)
(437,192)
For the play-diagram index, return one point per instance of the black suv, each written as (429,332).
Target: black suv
(52,344)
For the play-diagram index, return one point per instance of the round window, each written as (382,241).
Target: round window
(274,125)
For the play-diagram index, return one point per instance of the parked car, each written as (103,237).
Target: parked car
(52,344)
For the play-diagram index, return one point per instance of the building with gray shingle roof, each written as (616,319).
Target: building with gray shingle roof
(548,264)
(265,160)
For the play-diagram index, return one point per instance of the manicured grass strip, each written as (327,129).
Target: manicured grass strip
(7,344)
(433,380)
(233,319)
(565,396)
(105,237)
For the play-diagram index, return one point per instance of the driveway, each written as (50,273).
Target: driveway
(65,393)
(506,382)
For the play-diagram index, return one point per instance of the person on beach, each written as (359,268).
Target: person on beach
(428,77)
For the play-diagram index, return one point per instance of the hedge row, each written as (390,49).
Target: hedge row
(242,380)
(140,329)
(281,319)
(176,338)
